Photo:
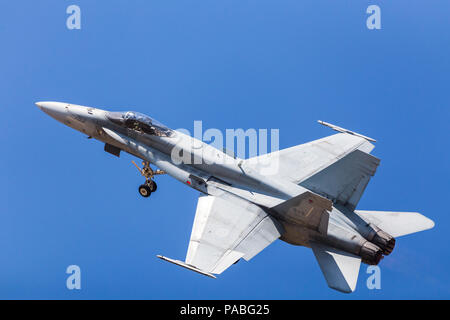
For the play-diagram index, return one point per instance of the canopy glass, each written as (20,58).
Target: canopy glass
(140,122)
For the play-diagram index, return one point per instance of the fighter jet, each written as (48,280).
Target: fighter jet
(310,200)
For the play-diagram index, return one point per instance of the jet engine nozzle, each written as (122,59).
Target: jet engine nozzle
(385,241)
(370,253)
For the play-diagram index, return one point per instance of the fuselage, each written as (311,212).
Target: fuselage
(172,150)
(207,169)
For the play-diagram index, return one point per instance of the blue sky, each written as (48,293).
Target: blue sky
(232,64)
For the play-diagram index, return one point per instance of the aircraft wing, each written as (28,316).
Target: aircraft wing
(338,167)
(301,162)
(345,180)
(227,228)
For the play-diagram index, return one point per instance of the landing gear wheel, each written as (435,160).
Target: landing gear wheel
(145,191)
(149,186)
(153,186)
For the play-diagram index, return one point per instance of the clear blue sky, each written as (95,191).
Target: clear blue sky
(232,64)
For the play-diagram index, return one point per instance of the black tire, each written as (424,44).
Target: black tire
(153,186)
(144,190)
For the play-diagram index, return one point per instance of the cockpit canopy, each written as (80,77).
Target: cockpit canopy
(140,122)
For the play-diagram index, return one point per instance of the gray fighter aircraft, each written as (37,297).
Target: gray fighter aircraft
(310,200)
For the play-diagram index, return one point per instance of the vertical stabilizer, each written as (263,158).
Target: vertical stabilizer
(340,268)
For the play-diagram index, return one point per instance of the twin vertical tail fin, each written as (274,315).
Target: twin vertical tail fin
(339,268)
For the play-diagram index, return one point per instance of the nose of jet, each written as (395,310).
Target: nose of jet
(53,109)
(49,106)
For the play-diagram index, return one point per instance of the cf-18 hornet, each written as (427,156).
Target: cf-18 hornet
(309,200)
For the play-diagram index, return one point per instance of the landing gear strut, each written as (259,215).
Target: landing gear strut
(149,186)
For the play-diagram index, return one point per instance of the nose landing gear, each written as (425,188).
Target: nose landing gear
(149,186)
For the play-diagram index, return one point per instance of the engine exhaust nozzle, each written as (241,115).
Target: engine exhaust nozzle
(385,241)
(370,253)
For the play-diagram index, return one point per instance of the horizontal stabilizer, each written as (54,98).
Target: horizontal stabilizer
(397,223)
(185,265)
(339,268)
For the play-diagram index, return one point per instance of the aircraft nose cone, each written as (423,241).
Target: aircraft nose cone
(53,109)
(50,106)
